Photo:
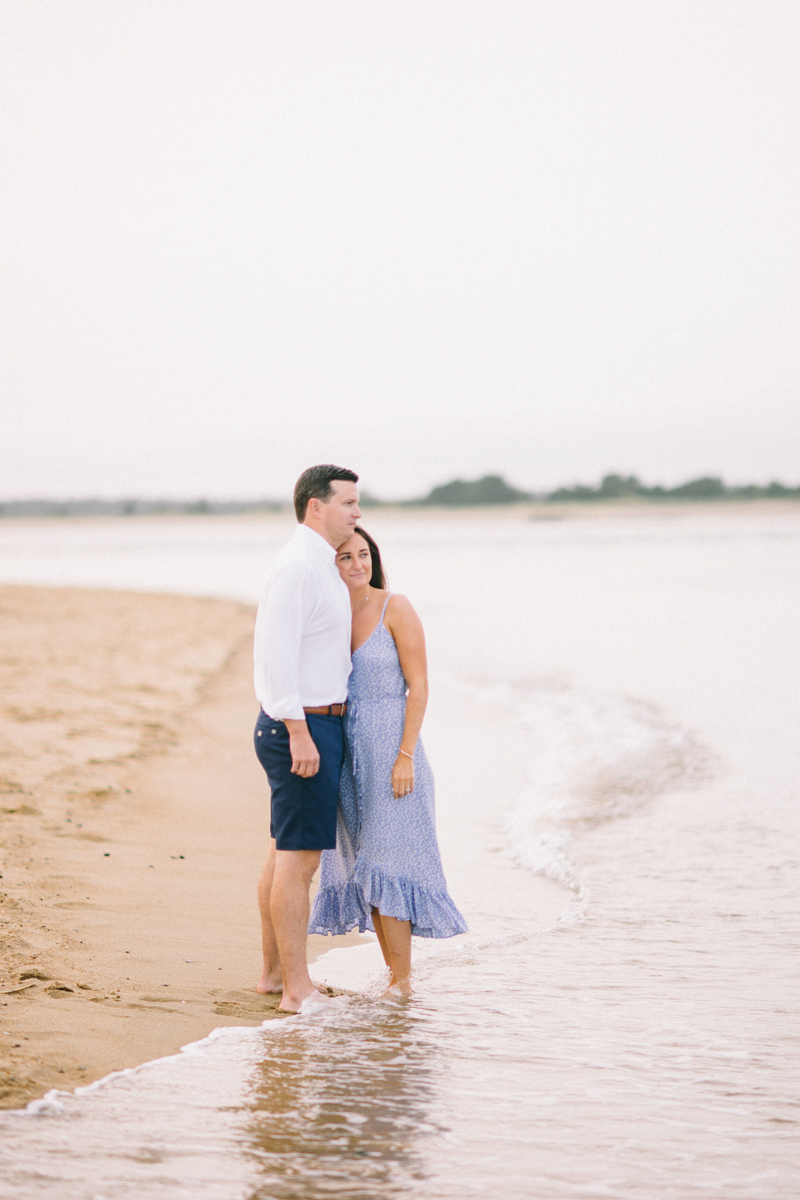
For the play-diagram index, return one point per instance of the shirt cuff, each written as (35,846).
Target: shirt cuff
(284,708)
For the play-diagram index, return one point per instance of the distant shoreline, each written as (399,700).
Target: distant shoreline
(546,510)
(489,492)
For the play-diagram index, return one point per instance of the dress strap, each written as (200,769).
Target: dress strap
(383,610)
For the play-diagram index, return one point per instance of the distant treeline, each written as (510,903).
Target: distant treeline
(707,487)
(459,493)
(493,489)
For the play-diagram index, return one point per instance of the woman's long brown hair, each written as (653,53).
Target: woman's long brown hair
(378,579)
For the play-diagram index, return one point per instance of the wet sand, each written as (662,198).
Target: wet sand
(133,824)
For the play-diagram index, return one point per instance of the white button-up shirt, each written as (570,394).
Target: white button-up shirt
(302,638)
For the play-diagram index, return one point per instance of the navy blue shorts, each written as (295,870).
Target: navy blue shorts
(303,810)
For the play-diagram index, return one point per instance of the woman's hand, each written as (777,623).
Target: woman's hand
(402,776)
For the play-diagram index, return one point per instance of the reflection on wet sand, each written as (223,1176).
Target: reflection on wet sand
(341,1107)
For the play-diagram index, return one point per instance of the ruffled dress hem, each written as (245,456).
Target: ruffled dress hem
(338,910)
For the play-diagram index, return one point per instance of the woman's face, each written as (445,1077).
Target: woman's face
(354,562)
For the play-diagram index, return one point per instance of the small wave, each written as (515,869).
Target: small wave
(591,758)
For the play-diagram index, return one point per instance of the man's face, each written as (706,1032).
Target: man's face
(337,516)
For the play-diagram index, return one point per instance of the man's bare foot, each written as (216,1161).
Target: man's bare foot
(313,1002)
(268,985)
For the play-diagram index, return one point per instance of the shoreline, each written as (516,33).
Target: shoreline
(134,821)
(525,510)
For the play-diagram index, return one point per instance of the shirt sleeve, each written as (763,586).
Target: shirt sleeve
(282,611)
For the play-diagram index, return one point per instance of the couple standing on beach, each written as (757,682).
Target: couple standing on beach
(340,673)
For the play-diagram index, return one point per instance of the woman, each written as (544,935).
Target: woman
(385,873)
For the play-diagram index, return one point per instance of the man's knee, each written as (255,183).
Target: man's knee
(297,864)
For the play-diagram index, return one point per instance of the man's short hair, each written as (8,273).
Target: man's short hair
(315,484)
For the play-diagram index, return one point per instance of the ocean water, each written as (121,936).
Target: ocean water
(621,1021)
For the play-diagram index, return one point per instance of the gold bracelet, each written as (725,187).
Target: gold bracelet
(411,756)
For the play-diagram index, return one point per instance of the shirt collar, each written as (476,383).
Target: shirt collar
(316,541)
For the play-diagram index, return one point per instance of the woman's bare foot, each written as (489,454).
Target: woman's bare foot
(398,991)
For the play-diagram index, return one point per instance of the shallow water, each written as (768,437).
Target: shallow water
(621,1020)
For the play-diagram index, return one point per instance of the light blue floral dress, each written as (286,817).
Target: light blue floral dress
(386,852)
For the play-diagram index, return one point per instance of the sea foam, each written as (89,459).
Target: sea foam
(590,757)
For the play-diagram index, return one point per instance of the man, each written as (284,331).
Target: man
(302,663)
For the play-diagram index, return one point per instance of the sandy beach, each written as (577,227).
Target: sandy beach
(134,822)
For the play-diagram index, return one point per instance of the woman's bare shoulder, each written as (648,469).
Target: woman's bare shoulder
(399,603)
(400,611)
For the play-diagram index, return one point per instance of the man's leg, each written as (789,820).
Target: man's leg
(271,975)
(289,910)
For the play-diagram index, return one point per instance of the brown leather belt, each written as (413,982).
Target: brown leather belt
(328,710)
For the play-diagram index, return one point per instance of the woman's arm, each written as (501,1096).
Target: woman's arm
(406,629)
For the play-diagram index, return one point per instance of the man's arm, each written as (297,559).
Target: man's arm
(282,612)
(305,755)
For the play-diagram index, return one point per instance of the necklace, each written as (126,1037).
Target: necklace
(364,601)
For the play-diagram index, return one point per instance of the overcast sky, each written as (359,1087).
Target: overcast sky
(422,239)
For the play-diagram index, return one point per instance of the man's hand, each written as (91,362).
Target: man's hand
(305,755)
